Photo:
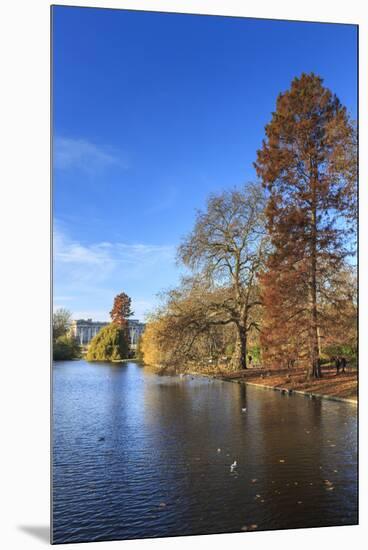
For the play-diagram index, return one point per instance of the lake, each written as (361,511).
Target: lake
(137,454)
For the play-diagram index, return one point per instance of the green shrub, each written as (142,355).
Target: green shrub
(229,350)
(349,352)
(66,348)
(110,344)
(255,352)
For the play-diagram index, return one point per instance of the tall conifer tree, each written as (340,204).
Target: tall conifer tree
(121,312)
(308,164)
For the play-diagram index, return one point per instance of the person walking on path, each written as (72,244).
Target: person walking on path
(337,365)
(343,364)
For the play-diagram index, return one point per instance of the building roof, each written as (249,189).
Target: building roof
(99,323)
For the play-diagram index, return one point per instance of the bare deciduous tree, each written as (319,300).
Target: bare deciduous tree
(227,247)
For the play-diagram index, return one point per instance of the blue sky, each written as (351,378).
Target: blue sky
(151,113)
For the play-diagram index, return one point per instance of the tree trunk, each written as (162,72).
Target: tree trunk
(315,370)
(315,359)
(239,359)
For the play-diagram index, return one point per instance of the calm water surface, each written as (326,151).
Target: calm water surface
(142,455)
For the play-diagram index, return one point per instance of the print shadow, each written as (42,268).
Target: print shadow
(41,532)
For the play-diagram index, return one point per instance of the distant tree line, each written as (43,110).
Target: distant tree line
(64,346)
(272,278)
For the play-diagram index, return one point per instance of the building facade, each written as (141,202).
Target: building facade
(136,329)
(85,329)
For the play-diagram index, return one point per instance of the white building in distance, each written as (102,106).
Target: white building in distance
(85,329)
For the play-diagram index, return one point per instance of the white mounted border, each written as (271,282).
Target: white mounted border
(25,271)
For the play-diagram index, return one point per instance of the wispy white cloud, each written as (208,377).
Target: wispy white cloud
(84,155)
(79,263)
(89,275)
(99,260)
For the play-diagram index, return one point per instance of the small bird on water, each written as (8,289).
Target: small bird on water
(244,409)
(233,466)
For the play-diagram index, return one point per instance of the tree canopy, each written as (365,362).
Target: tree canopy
(227,246)
(109,344)
(121,310)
